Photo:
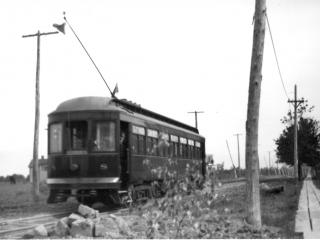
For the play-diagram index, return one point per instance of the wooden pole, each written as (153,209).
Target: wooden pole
(252,124)
(238,134)
(35,165)
(296,103)
(295,145)
(196,117)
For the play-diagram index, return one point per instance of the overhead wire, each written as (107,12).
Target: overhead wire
(276,57)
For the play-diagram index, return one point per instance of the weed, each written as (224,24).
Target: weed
(187,199)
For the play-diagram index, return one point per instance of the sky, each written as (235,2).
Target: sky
(170,56)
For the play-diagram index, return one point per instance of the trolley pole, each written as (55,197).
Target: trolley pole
(296,104)
(196,117)
(35,165)
(252,124)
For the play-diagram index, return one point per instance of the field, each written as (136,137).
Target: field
(227,212)
(278,210)
(16,201)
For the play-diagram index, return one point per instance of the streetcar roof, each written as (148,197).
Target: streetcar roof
(93,103)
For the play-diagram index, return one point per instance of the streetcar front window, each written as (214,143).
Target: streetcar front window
(55,134)
(105,137)
(77,135)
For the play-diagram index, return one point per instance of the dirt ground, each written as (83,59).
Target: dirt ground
(224,220)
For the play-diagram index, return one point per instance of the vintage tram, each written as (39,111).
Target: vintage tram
(100,148)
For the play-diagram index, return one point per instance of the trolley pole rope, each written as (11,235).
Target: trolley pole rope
(64,17)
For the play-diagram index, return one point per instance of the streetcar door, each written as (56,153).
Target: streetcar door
(124,142)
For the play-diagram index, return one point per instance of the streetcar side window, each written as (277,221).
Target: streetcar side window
(198,150)
(77,135)
(55,133)
(138,140)
(105,136)
(174,145)
(164,144)
(190,148)
(152,142)
(183,147)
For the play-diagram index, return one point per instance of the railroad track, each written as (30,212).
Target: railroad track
(17,228)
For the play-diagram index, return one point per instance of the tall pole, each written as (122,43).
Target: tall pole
(196,117)
(35,165)
(252,124)
(238,134)
(269,161)
(296,103)
(295,143)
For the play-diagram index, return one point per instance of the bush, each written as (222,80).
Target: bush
(187,203)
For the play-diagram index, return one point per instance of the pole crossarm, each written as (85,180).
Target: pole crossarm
(296,101)
(40,34)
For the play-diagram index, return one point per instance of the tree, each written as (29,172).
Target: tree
(308,138)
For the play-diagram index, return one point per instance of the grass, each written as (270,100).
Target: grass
(16,201)
(277,210)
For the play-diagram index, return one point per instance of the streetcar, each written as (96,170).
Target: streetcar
(100,149)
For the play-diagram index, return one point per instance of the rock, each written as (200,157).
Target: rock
(275,190)
(40,231)
(100,230)
(110,224)
(28,235)
(227,210)
(62,229)
(122,225)
(82,228)
(271,190)
(74,217)
(264,186)
(87,212)
(98,205)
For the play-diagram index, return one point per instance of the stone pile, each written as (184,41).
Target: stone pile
(87,223)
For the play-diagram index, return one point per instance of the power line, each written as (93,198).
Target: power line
(275,54)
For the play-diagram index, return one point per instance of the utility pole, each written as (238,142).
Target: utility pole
(234,167)
(196,117)
(265,161)
(35,166)
(252,123)
(269,160)
(296,103)
(238,134)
